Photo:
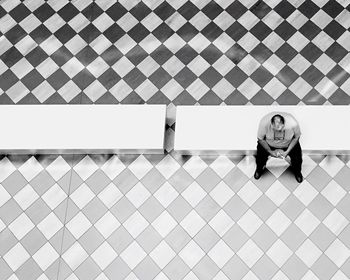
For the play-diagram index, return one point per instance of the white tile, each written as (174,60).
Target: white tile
(50,45)
(195,166)
(135,224)
(45,256)
(220,253)
(140,167)
(332,165)
(192,223)
(277,193)
(200,20)
(138,195)
(250,253)
(2,226)
(247,165)
(279,253)
(107,224)
(103,22)
(191,254)
(7,168)
(104,255)
(4,196)
(113,167)
(249,193)
(168,166)
(250,222)
(54,196)
(307,222)
(151,21)
(22,68)
(278,222)
(50,225)
(21,226)
(30,168)
(305,192)
(277,166)
(76,44)
(197,89)
(58,168)
(248,65)
(194,194)
(164,224)
(162,254)
(222,89)
(97,67)
(85,168)
(78,225)
(335,221)
(122,67)
(127,22)
(274,88)
(125,44)
(299,64)
(333,192)
(75,256)
(110,195)
(338,252)
(221,223)
(222,193)
(133,255)
(300,88)
(298,41)
(166,194)
(224,20)
(248,42)
(308,252)
(16,256)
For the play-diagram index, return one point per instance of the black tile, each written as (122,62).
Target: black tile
(160,77)
(261,76)
(310,30)
(61,56)
(92,12)
(65,33)
(287,76)
(339,97)
(83,79)
(236,98)
(161,54)
(333,8)
(236,9)
(138,32)
(184,98)
(11,57)
(212,10)
(135,78)
(19,13)
(236,31)
(288,98)
(32,79)
(15,34)
(44,12)
(136,55)
(210,98)
(311,52)
(285,30)
(89,33)
(212,31)
(114,33)
(36,56)
(261,53)
(187,32)
(58,79)
(86,55)
(236,53)
(116,11)
(312,75)
(336,52)
(40,34)
(164,10)
(338,75)
(261,30)
(186,54)
(163,32)
(140,11)
(210,77)
(286,53)
(262,98)
(2,12)
(111,55)
(159,98)
(260,9)
(132,98)
(68,12)
(185,77)
(236,77)
(308,8)
(284,9)
(188,10)
(314,98)
(334,29)
(211,54)
(7,80)
(107,98)
(109,78)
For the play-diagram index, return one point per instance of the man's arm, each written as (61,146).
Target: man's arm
(292,144)
(266,146)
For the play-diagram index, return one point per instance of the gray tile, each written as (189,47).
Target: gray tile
(292,207)
(265,181)
(91,240)
(293,237)
(236,179)
(29,270)
(149,239)
(320,207)
(176,269)
(117,270)
(235,268)
(343,178)
(294,268)
(288,180)
(180,180)
(72,210)
(33,241)
(264,207)
(98,181)
(324,268)
(346,268)
(153,180)
(322,237)
(123,209)
(146,269)
(265,268)
(319,178)
(42,182)
(59,270)
(344,236)
(179,208)
(236,208)
(94,210)
(14,182)
(10,211)
(344,206)
(151,209)
(8,240)
(125,181)
(38,211)
(206,269)
(235,237)
(70,181)
(88,270)
(177,238)
(264,237)
(68,240)
(120,239)
(206,238)
(5,270)
(207,208)
(208,179)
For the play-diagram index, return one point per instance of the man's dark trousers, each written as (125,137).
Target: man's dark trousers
(295,155)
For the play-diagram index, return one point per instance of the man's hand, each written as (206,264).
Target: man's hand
(283,154)
(274,153)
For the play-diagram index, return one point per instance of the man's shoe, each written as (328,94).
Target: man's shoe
(299,177)
(257,174)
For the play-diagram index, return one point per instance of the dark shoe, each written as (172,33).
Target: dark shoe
(299,177)
(257,174)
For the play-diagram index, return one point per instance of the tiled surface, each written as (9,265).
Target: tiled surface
(164,217)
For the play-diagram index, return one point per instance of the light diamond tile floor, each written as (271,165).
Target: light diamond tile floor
(93,217)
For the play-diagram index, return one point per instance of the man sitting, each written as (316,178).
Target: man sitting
(278,136)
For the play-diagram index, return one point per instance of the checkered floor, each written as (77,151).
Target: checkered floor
(164,217)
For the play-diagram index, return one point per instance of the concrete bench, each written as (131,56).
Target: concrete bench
(62,129)
(233,129)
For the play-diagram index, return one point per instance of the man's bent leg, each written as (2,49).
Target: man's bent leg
(296,158)
(261,157)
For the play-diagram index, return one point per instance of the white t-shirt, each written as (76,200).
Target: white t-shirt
(280,140)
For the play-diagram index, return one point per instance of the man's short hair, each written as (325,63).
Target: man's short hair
(277,116)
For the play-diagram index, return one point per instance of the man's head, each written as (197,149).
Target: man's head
(277,122)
